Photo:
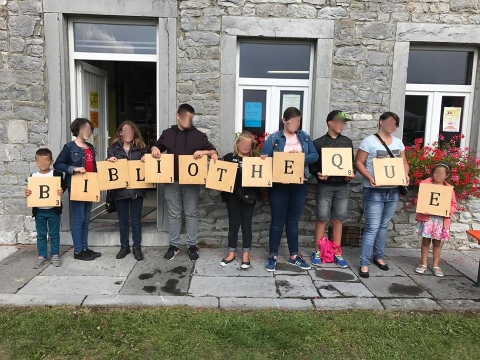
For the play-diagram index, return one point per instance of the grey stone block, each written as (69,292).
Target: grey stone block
(467,265)
(145,300)
(29,112)
(332,13)
(460,305)
(408,265)
(410,304)
(259,303)
(260,287)
(395,287)
(348,289)
(21,25)
(40,300)
(347,304)
(295,286)
(332,274)
(301,11)
(448,287)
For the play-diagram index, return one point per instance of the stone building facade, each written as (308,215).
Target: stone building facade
(361,53)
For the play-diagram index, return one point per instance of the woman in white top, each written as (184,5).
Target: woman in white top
(379,203)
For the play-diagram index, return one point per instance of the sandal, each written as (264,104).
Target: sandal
(437,271)
(421,269)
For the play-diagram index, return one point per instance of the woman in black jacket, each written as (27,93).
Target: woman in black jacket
(128,144)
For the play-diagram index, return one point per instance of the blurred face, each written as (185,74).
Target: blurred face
(244,146)
(440,174)
(337,125)
(127,134)
(185,120)
(43,162)
(292,124)
(85,132)
(389,125)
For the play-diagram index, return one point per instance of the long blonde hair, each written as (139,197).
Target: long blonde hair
(244,135)
(137,136)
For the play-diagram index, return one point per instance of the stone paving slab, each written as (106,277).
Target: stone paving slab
(448,287)
(341,289)
(474,254)
(6,251)
(394,287)
(254,287)
(333,274)
(348,304)
(462,263)
(461,305)
(146,300)
(410,304)
(284,268)
(40,300)
(106,265)
(209,264)
(155,276)
(408,265)
(415,253)
(394,270)
(258,303)
(17,270)
(74,285)
(300,286)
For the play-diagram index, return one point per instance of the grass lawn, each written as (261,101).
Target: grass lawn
(181,333)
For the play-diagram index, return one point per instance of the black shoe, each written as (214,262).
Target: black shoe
(137,253)
(364,275)
(93,253)
(171,252)
(224,262)
(124,251)
(245,265)
(83,255)
(193,253)
(383,267)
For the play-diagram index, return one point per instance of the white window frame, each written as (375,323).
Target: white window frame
(436,91)
(273,87)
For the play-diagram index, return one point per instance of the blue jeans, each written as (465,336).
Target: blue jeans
(47,222)
(379,206)
(130,210)
(80,220)
(286,205)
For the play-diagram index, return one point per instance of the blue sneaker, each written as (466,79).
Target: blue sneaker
(298,261)
(271,263)
(316,261)
(341,263)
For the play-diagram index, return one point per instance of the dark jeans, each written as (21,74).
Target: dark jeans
(286,205)
(80,220)
(47,222)
(239,214)
(130,210)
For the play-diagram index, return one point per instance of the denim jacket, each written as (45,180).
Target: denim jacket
(70,157)
(277,141)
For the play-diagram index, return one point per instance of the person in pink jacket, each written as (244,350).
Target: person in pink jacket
(435,229)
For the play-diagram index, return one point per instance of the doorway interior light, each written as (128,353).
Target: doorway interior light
(287,72)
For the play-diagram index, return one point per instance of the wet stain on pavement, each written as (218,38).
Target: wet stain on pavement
(288,267)
(408,290)
(150,289)
(171,287)
(334,275)
(178,270)
(145,276)
(284,284)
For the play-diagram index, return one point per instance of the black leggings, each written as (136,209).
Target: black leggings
(239,214)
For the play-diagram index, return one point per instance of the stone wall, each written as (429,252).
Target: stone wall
(23,126)
(361,81)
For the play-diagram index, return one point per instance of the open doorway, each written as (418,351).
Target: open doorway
(130,95)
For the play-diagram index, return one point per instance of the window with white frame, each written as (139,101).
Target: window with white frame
(271,77)
(439,94)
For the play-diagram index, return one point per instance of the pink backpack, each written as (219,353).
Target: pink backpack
(328,249)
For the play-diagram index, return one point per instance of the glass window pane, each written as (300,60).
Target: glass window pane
(115,38)
(414,118)
(254,111)
(440,67)
(451,117)
(274,60)
(288,99)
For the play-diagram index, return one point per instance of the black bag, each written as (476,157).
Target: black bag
(247,195)
(402,188)
(110,202)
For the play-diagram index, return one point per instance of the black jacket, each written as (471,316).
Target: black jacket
(230,157)
(182,142)
(326,141)
(135,153)
(56,209)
